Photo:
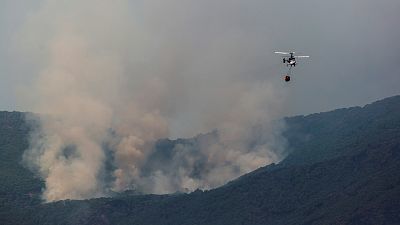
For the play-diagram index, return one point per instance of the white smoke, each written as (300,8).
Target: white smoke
(116,76)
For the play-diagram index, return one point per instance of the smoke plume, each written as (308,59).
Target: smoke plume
(114,77)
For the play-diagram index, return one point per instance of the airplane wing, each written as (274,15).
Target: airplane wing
(302,56)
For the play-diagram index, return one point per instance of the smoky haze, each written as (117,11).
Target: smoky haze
(353,44)
(117,77)
(111,78)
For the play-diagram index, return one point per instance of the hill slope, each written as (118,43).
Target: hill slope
(327,135)
(343,169)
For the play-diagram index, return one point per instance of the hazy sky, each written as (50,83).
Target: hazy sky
(151,69)
(354,45)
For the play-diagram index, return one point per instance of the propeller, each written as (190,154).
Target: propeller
(285,53)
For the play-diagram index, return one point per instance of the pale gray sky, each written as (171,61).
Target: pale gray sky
(354,44)
(151,69)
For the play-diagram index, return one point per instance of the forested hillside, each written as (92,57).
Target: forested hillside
(343,169)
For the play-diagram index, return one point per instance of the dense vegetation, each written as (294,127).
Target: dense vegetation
(343,169)
(19,189)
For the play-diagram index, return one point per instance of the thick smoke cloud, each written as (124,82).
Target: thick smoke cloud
(116,76)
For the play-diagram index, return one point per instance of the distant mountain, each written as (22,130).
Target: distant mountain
(343,169)
(327,135)
(19,189)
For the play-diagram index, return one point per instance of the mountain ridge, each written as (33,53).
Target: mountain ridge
(342,169)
